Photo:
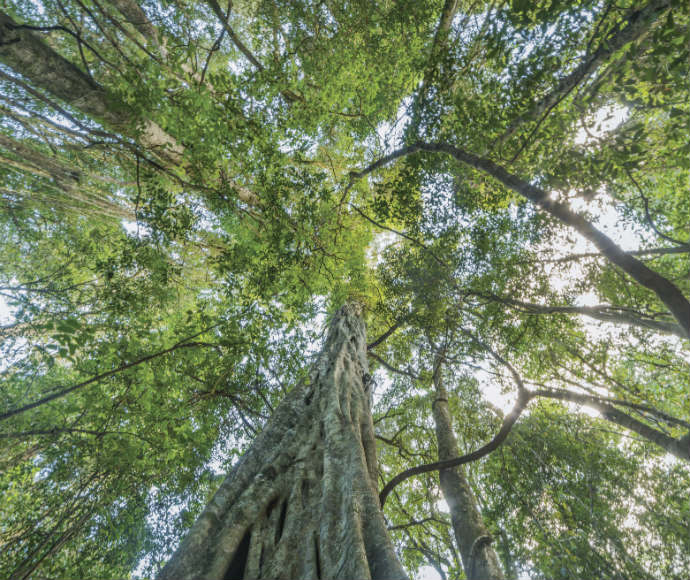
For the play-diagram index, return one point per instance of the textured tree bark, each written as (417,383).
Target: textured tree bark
(478,556)
(302,502)
(134,14)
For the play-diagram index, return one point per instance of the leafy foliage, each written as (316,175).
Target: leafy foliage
(185,200)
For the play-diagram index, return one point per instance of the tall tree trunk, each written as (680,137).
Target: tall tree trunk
(478,556)
(302,501)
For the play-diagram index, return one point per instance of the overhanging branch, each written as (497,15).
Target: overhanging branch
(665,290)
(67,390)
(677,447)
(603,312)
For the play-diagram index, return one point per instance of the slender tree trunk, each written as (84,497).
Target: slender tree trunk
(302,502)
(478,556)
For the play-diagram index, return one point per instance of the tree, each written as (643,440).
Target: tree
(478,557)
(308,480)
(192,192)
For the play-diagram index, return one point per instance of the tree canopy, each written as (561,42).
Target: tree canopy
(190,189)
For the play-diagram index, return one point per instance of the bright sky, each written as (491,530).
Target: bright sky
(5,313)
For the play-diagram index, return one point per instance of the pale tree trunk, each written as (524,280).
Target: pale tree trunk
(302,501)
(29,55)
(478,556)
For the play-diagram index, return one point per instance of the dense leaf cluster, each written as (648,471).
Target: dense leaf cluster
(189,188)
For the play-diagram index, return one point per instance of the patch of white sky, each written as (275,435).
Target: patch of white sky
(389,134)
(135,229)
(38,6)
(6,312)
(605,214)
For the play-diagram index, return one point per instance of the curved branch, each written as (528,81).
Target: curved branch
(385,335)
(391,368)
(516,376)
(73,34)
(289,95)
(510,420)
(384,227)
(666,291)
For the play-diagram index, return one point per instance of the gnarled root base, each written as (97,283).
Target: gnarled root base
(302,502)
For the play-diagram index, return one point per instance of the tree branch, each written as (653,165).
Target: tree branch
(391,368)
(510,419)
(648,252)
(231,33)
(135,16)
(677,447)
(636,24)
(516,376)
(70,430)
(75,35)
(601,312)
(648,216)
(66,390)
(666,291)
(385,335)
(438,46)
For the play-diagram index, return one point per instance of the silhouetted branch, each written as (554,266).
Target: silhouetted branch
(66,390)
(510,420)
